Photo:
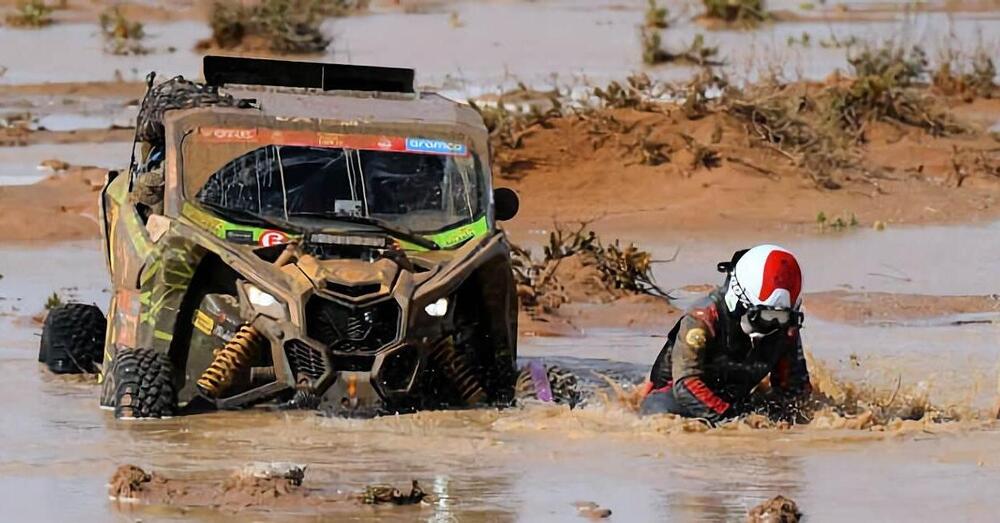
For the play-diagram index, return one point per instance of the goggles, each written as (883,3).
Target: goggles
(764,319)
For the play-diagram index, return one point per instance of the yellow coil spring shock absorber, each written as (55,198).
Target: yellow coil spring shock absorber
(461,373)
(235,356)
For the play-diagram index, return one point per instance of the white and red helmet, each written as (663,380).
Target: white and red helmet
(765,276)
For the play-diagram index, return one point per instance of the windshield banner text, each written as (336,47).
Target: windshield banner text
(366,142)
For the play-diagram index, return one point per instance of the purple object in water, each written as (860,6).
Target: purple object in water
(541,380)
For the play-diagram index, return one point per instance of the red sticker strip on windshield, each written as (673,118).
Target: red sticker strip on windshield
(366,142)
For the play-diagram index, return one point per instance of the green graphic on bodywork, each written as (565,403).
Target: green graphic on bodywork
(453,237)
(224,229)
(221,228)
(164,283)
(128,231)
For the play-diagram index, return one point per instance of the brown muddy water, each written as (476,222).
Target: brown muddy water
(496,44)
(21,165)
(530,463)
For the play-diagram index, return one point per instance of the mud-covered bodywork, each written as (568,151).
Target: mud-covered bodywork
(347,307)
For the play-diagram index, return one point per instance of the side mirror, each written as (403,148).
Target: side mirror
(506,203)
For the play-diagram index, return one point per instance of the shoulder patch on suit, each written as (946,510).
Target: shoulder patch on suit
(696,338)
(708,315)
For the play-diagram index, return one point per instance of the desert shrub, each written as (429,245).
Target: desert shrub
(121,35)
(696,53)
(747,13)
(969,77)
(30,14)
(895,64)
(279,26)
(820,128)
(656,16)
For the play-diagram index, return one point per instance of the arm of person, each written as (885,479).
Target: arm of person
(690,391)
(790,376)
(660,376)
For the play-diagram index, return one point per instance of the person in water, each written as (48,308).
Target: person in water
(718,354)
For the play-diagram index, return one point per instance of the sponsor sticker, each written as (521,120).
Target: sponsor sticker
(273,237)
(203,322)
(426,145)
(329,140)
(239,236)
(369,142)
(221,134)
(696,338)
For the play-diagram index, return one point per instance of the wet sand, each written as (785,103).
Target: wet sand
(59,207)
(566,171)
(914,309)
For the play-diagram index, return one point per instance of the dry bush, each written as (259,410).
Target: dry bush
(786,121)
(883,90)
(656,16)
(969,78)
(746,13)
(897,65)
(278,26)
(508,128)
(820,128)
(696,53)
(652,47)
(30,14)
(695,94)
(341,7)
(121,35)
(620,270)
(636,93)
(880,98)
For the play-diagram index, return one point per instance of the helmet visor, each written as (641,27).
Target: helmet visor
(764,318)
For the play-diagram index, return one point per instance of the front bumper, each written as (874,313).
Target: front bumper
(347,373)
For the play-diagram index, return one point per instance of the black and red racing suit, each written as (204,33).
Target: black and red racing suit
(709,367)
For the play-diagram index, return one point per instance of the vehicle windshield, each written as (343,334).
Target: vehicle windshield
(423,192)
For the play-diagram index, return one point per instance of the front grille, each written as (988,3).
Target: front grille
(354,362)
(353,291)
(305,360)
(352,330)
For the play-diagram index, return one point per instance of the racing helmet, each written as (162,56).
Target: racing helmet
(763,286)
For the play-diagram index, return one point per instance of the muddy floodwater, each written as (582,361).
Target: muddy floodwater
(533,463)
(466,48)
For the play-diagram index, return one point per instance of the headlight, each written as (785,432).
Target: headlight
(265,303)
(438,308)
(260,298)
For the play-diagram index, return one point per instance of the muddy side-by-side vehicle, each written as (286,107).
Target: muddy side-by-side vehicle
(299,233)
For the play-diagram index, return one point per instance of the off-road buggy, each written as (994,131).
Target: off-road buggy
(305,234)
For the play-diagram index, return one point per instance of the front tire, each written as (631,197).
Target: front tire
(498,364)
(144,384)
(73,339)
